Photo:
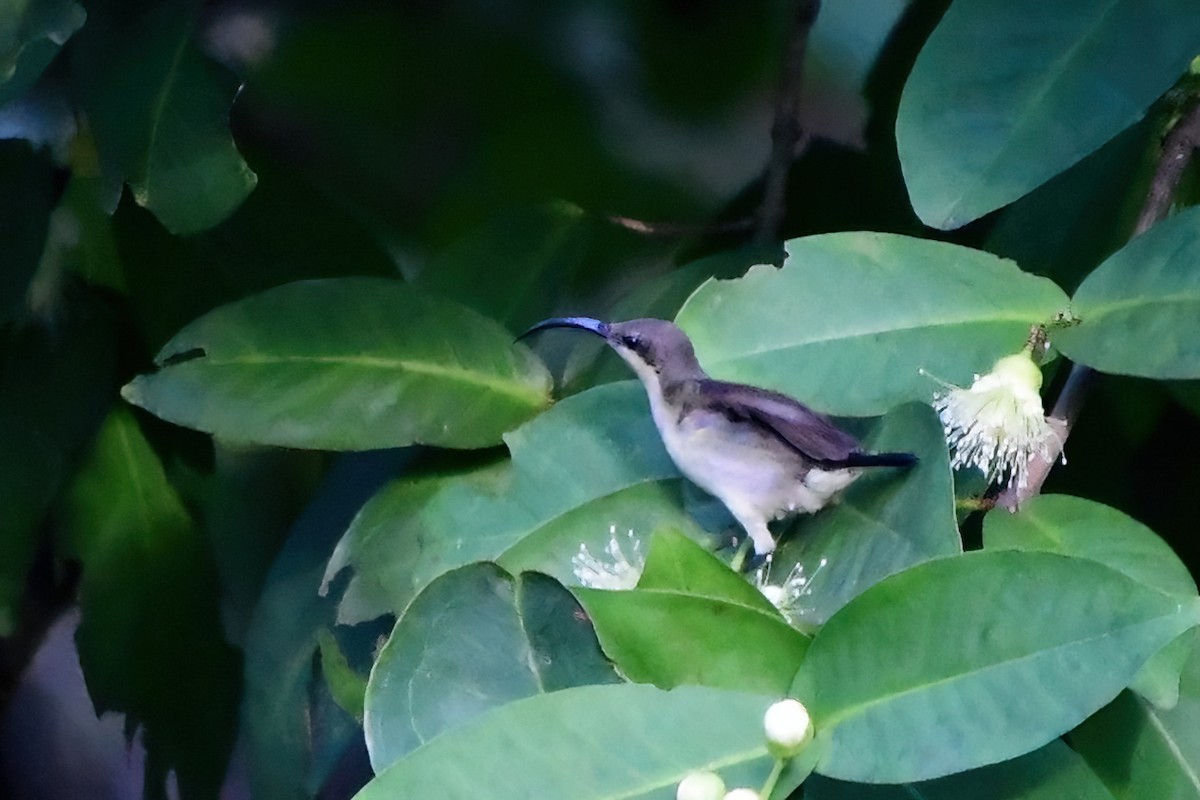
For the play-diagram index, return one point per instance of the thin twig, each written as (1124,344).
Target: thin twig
(673,230)
(786,132)
(1178,148)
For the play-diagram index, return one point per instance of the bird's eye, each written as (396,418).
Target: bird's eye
(633,342)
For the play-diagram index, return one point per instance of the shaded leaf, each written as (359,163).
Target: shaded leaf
(887,521)
(344,364)
(279,714)
(1139,311)
(56,385)
(24,217)
(973,659)
(347,687)
(474,639)
(150,639)
(849,320)
(589,469)
(692,620)
(31,34)
(1036,87)
(590,743)
(1140,751)
(159,112)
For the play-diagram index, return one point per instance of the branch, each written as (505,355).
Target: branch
(786,132)
(1178,148)
(672,230)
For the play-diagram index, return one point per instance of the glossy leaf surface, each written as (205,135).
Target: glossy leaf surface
(589,743)
(345,364)
(590,469)
(851,318)
(1139,311)
(1036,87)
(474,639)
(692,620)
(973,659)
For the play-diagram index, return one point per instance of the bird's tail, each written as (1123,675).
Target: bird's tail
(881,460)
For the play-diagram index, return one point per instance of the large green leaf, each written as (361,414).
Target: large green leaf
(31,34)
(150,640)
(1139,311)
(887,521)
(589,470)
(1073,526)
(1053,772)
(1005,96)
(851,318)
(623,740)
(56,384)
(972,659)
(692,620)
(1140,751)
(474,639)
(345,364)
(159,111)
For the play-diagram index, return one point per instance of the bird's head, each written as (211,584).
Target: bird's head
(656,349)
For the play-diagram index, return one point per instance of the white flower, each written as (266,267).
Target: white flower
(701,786)
(788,597)
(620,570)
(742,794)
(998,424)
(788,727)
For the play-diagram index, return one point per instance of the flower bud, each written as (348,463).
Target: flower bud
(742,794)
(701,786)
(788,728)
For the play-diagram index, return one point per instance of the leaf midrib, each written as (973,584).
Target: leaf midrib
(512,388)
(859,709)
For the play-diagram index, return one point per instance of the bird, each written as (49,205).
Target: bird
(763,454)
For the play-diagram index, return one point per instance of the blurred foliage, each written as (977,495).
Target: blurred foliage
(291,227)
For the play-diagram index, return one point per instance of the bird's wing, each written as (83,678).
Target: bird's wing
(809,433)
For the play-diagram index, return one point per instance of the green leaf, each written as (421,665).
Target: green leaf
(1052,772)
(24,216)
(344,364)
(159,112)
(1036,87)
(887,521)
(348,688)
(676,563)
(590,470)
(514,267)
(474,639)
(589,743)
(31,34)
(1139,311)
(281,712)
(56,385)
(150,640)
(1140,751)
(851,318)
(972,659)
(1072,526)
(692,620)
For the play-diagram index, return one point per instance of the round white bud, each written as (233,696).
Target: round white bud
(701,786)
(788,728)
(742,794)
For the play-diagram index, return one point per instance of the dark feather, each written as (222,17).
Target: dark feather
(809,433)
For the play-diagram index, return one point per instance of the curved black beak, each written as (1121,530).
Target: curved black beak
(585,323)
